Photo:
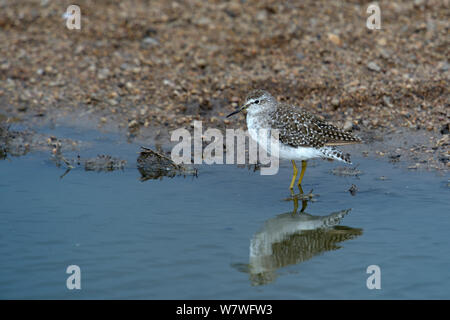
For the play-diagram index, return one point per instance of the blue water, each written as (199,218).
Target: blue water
(189,238)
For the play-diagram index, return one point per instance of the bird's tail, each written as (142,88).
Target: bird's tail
(335,154)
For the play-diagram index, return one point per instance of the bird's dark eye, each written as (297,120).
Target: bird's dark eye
(256,101)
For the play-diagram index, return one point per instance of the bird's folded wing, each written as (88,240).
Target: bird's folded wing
(299,128)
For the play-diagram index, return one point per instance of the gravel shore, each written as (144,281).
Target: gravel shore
(151,67)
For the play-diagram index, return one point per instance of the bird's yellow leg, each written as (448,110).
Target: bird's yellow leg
(302,173)
(294,175)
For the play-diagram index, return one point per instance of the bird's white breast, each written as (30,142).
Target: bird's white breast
(255,122)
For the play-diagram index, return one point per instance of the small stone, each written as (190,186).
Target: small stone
(112,102)
(203,21)
(79,49)
(394,158)
(126,66)
(382,41)
(335,102)
(149,42)
(169,83)
(386,54)
(444,141)
(143,111)
(201,63)
(49,69)
(348,125)
(300,56)
(418,3)
(443,66)
(133,124)
(414,167)
(261,15)
(373,66)
(353,189)
(387,101)
(103,74)
(113,95)
(335,39)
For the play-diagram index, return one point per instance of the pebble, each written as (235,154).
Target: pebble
(353,189)
(335,102)
(414,167)
(382,41)
(300,56)
(348,125)
(149,42)
(373,66)
(443,66)
(335,39)
(133,124)
(112,102)
(103,74)
(387,101)
(261,15)
(444,141)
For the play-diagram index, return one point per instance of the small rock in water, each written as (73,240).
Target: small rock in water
(394,158)
(103,163)
(444,141)
(353,189)
(155,165)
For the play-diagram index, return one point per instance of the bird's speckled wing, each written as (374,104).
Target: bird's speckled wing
(299,128)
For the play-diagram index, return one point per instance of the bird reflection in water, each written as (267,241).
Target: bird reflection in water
(293,237)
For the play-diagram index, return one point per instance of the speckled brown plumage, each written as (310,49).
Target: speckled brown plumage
(298,128)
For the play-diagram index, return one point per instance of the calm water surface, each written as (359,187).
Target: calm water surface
(229,233)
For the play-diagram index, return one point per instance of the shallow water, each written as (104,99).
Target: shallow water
(227,233)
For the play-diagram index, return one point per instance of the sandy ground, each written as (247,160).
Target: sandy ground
(152,66)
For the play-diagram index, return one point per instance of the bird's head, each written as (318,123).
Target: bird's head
(255,100)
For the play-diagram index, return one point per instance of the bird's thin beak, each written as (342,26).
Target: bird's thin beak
(237,111)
